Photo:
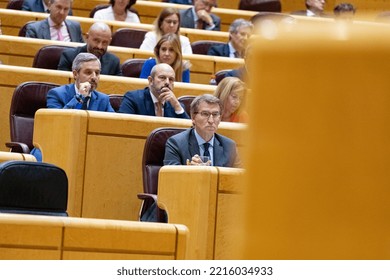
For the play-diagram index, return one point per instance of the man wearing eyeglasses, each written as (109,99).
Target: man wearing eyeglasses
(200,17)
(187,147)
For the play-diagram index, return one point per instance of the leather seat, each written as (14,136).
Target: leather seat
(261,5)
(202,46)
(186,100)
(132,67)
(33,188)
(23,29)
(152,161)
(115,101)
(48,57)
(15,4)
(28,97)
(128,37)
(221,74)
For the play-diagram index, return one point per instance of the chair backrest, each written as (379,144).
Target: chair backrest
(33,188)
(128,37)
(220,75)
(115,101)
(186,100)
(22,31)
(276,17)
(28,97)
(132,67)
(261,5)
(49,56)
(15,4)
(202,46)
(152,160)
(97,8)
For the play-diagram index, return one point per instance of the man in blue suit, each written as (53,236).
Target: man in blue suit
(185,148)
(239,32)
(39,6)
(98,38)
(56,26)
(156,100)
(200,17)
(82,94)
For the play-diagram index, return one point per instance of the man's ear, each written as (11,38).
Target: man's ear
(150,79)
(75,74)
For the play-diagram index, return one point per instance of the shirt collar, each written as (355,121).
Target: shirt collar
(232,50)
(154,98)
(201,141)
(52,24)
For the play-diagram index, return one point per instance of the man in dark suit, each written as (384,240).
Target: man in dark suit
(183,2)
(200,17)
(187,147)
(98,38)
(314,8)
(56,26)
(39,6)
(239,33)
(82,94)
(156,100)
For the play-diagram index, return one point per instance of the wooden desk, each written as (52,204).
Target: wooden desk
(6,156)
(12,76)
(102,155)
(30,237)
(208,201)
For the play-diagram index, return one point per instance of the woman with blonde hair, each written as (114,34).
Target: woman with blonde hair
(168,21)
(231,91)
(168,50)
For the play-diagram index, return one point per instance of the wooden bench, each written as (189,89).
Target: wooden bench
(102,155)
(6,156)
(20,51)
(30,237)
(12,76)
(208,200)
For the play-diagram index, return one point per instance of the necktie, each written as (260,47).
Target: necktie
(159,109)
(85,103)
(206,149)
(199,24)
(60,37)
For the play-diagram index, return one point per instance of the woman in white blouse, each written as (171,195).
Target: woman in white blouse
(118,10)
(168,21)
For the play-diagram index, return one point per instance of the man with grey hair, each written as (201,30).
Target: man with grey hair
(158,98)
(82,94)
(56,26)
(239,32)
(98,39)
(189,146)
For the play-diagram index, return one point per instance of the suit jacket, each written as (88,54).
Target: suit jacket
(187,20)
(184,2)
(219,50)
(63,97)
(41,30)
(184,145)
(141,103)
(110,62)
(239,73)
(36,6)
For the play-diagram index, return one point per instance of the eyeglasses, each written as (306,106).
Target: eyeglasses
(170,21)
(206,115)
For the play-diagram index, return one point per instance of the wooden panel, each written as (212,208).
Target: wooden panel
(320,155)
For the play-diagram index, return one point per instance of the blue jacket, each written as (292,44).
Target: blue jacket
(219,50)
(36,6)
(151,62)
(64,97)
(140,102)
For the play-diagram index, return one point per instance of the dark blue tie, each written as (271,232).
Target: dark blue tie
(85,103)
(206,149)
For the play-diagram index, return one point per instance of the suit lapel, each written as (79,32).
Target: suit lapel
(69,26)
(218,153)
(148,102)
(193,145)
(45,28)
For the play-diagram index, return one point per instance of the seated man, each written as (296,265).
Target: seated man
(82,94)
(314,8)
(186,147)
(158,98)
(39,6)
(183,2)
(200,17)
(239,33)
(98,38)
(56,26)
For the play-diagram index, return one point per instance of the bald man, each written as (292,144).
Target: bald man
(158,98)
(98,38)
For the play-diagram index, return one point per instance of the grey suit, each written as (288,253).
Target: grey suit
(41,30)
(184,145)
(187,20)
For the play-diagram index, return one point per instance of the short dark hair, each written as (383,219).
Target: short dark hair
(208,98)
(344,8)
(131,3)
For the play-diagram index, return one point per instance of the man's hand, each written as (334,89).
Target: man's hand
(166,94)
(205,16)
(85,89)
